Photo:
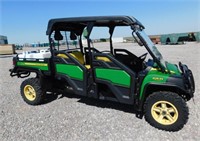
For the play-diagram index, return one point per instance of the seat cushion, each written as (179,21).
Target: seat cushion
(79,56)
(62,56)
(88,66)
(105,59)
(76,54)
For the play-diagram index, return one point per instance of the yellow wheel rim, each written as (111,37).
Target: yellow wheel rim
(29,92)
(164,112)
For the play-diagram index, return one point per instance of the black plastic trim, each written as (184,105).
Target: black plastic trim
(144,95)
(118,94)
(122,67)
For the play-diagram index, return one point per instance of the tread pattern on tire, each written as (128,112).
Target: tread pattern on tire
(173,98)
(35,83)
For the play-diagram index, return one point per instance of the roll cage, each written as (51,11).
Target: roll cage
(78,24)
(83,26)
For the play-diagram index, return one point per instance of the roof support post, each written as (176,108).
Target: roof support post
(51,43)
(111,30)
(80,43)
(87,36)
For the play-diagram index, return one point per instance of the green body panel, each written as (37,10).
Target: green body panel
(71,70)
(153,76)
(173,68)
(117,77)
(35,65)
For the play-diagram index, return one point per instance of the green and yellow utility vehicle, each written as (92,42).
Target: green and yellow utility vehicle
(157,89)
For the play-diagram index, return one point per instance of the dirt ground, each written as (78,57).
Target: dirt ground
(73,118)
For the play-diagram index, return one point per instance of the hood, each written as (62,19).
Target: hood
(172,68)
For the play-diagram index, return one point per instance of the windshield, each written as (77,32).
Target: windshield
(151,46)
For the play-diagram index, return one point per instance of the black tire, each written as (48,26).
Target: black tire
(32,92)
(166,111)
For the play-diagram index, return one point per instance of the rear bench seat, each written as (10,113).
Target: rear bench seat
(78,56)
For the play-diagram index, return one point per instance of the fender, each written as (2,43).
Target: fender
(158,87)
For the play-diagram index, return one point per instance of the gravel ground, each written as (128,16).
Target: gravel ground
(75,118)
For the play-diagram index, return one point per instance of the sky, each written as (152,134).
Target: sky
(25,21)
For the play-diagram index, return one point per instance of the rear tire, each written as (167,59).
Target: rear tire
(32,92)
(166,111)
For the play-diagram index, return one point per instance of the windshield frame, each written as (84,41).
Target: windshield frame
(151,48)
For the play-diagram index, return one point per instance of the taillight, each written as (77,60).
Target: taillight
(14,62)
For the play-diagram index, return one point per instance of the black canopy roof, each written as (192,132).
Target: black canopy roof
(77,24)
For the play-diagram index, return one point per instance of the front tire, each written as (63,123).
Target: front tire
(166,111)
(32,92)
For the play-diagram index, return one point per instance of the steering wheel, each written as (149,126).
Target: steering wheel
(143,56)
